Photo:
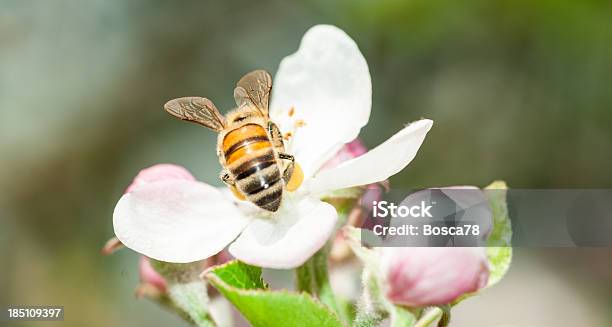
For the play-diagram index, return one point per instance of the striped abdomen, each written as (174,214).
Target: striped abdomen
(250,159)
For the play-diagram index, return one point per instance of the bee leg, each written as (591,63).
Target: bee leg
(276,136)
(288,172)
(289,169)
(286,156)
(293,175)
(227,179)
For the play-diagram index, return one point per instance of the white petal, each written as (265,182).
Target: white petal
(376,165)
(327,81)
(289,238)
(177,220)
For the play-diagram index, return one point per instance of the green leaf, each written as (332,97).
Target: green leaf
(499,250)
(313,278)
(499,247)
(242,285)
(240,275)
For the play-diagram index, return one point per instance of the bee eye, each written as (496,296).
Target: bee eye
(239,118)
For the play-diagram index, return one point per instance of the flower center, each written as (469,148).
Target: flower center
(297,175)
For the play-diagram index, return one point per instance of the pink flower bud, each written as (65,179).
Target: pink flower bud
(150,280)
(159,172)
(421,276)
(349,151)
(111,246)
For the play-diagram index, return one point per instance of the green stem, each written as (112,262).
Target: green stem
(167,303)
(303,278)
(193,299)
(186,291)
(368,319)
(402,317)
(313,277)
(429,317)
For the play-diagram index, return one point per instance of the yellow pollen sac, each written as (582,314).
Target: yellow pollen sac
(237,193)
(297,177)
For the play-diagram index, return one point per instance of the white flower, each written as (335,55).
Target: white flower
(327,82)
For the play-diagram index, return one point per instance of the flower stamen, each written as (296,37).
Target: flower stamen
(288,136)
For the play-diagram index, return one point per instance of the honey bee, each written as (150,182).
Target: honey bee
(250,146)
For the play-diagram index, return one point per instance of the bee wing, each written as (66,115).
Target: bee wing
(254,89)
(196,110)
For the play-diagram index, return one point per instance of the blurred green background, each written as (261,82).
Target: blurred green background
(518,90)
